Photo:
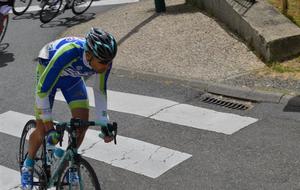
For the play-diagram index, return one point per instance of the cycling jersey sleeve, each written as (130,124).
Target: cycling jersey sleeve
(63,57)
(100,94)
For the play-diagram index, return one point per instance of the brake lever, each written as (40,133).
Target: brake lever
(115,131)
(111,130)
(115,137)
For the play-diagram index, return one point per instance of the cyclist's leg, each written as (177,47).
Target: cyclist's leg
(35,139)
(77,99)
(83,114)
(37,136)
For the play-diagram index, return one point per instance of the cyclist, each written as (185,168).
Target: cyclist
(5,7)
(63,64)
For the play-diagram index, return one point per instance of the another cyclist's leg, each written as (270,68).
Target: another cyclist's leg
(1,22)
(4,10)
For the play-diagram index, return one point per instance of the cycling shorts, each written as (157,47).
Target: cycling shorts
(72,88)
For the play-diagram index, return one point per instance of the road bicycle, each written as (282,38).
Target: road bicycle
(19,7)
(47,174)
(51,8)
(5,24)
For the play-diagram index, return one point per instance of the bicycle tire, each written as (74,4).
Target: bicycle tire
(39,174)
(79,3)
(47,13)
(17,9)
(5,24)
(83,165)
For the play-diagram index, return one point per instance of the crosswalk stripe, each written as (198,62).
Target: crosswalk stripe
(10,179)
(94,4)
(172,112)
(130,154)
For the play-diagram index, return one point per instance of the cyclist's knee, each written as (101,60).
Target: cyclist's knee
(81,113)
(42,128)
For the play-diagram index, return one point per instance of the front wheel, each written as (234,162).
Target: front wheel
(80,6)
(87,177)
(40,176)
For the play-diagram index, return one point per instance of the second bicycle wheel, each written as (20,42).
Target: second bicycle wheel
(20,6)
(50,10)
(87,177)
(3,30)
(80,6)
(39,174)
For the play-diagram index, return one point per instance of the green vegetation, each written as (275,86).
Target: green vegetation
(284,68)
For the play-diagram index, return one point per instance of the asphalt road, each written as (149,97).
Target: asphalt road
(261,155)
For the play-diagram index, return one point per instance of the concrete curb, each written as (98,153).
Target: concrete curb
(244,93)
(268,32)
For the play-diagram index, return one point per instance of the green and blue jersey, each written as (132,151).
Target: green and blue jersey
(62,65)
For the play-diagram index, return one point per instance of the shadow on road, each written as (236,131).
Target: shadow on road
(4,56)
(34,16)
(293,105)
(69,21)
(3,46)
(137,28)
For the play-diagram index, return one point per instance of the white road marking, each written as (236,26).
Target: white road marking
(10,179)
(130,154)
(172,112)
(94,4)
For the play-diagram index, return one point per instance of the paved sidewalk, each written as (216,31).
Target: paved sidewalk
(182,43)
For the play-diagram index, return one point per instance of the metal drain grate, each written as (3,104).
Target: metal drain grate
(226,102)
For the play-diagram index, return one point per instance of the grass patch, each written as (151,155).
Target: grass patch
(285,70)
(284,67)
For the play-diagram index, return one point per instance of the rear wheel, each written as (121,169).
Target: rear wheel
(39,173)
(20,6)
(3,30)
(87,177)
(50,10)
(80,6)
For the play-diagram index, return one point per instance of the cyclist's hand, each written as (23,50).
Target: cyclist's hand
(107,133)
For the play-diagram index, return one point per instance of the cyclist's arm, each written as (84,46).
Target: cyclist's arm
(62,59)
(100,94)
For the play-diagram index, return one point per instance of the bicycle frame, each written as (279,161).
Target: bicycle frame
(71,153)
